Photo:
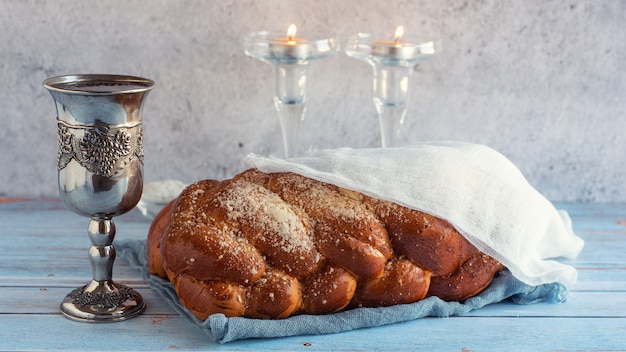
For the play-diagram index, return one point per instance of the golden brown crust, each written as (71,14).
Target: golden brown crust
(275,295)
(204,298)
(324,202)
(427,241)
(281,234)
(254,176)
(155,235)
(207,253)
(190,200)
(402,282)
(467,280)
(347,233)
(361,259)
(327,291)
(273,245)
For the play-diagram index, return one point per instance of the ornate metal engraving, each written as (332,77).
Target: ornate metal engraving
(101,299)
(65,152)
(139,149)
(102,151)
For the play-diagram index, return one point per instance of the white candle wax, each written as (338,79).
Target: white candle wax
(393,49)
(396,49)
(290,48)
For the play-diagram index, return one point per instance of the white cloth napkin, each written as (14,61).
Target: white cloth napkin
(157,194)
(475,188)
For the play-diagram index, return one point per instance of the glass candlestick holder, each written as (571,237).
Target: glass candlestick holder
(290,57)
(393,58)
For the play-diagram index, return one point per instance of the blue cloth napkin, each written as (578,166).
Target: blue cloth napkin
(222,329)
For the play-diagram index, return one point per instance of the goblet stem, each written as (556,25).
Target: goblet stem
(391,96)
(290,101)
(102,300)
(102,253)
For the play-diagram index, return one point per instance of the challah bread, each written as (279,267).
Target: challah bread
(274,245)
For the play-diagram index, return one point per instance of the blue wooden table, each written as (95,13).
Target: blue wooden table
(43,255)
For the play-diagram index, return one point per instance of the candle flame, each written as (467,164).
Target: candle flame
(399,33)
(291,32)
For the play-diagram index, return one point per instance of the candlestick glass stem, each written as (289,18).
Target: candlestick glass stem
(290,101)
(291,60)
(391,96)
(393,62)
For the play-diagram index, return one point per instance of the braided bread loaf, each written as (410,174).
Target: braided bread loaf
(274,245)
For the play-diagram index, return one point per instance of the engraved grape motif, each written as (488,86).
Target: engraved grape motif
(139,150)
(103,300)
(65,152)
(102,152)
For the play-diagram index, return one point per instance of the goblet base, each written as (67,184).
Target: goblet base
(102,302)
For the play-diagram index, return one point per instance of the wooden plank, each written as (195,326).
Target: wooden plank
(21,332)
(602,277)
(59,267)
(578,304)
(149,333)
(595,210)
(45,300)
(13,200)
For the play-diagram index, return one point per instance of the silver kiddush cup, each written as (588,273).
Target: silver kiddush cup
(100,169)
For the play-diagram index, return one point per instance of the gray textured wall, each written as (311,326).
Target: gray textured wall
(542,81)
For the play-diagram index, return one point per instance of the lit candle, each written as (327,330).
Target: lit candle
(396,49)
(290,47)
